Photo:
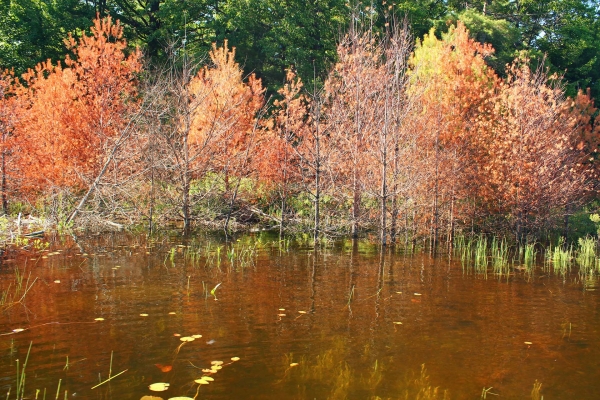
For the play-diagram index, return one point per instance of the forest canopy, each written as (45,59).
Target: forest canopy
(272,35)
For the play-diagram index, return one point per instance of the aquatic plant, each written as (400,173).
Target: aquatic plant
(586,255)
(535,392)
(481,254)
(463,247)
(560,258)
(529,256)
(499,251)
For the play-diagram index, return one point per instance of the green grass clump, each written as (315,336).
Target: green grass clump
(560,258)
(586,256)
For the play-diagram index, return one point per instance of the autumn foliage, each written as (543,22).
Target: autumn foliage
(71,114)
(415,139)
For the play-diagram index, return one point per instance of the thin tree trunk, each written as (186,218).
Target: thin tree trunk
(4,186)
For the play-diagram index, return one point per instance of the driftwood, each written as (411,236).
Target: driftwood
(262,214)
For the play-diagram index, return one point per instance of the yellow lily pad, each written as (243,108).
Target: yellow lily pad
(235,359)
(159,387)
(143,315)
(151,398)
(398,323)
(208,378)
(187,339)
(99,319)
(528,343)
(301,312)
(294,364)
(281,315)
(216,362)
(417,294)
(196,336)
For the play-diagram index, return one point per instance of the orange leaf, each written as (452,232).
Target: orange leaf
(164,368)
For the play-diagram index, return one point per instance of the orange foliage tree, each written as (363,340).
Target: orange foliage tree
(455,83)
(74,116)
(353,91)
(215,124)
(278,163)
(530,168)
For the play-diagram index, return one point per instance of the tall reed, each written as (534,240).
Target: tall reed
(481,256)
(499,251)
(529,256)
(586,255)
(560,258)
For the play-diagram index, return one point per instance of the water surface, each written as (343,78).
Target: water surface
(359,325)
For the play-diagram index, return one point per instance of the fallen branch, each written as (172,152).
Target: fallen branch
(257,211)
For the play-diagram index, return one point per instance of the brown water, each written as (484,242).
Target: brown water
(339,308)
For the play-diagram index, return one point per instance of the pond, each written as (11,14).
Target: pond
(106,316)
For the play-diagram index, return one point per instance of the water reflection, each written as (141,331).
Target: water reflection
(341,322)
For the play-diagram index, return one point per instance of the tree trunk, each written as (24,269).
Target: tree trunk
(4,186)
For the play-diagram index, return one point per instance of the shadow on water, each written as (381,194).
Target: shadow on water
(114,316)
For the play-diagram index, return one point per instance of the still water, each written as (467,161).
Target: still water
(343,322)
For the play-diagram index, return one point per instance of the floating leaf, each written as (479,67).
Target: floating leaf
(528,343)
(172,313)
(164,368)
(57,281)
(216,367)
(18,330)
(281,315)
(208,371)
(235,359)
(196,336)
(399,292)
(398,323)
(282,309)
(294,364)
(417,294)
(201,382)
(151,398)
(187,339)
(181,398)
(301,312)
(143,315)
(208,378)
(216,362)
(99,319)
(159,387)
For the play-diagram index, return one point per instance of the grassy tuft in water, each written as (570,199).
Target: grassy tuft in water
(481,254)
(586,256)
(499,251)
(560,258)
(529,256)
(535,392)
